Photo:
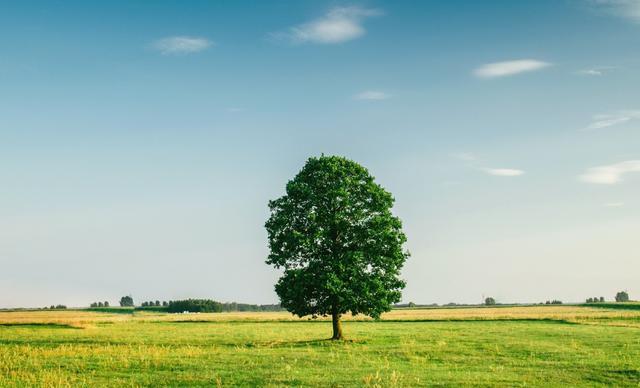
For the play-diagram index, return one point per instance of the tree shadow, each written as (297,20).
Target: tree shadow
(324,342)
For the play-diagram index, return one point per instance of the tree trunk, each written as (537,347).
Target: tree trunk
(337,326)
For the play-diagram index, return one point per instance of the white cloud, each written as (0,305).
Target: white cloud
(371,95)
(339,25)
(610,119)
(503,171)
(629,9)
(177,45)
(610,174)
(614,204)
(596,72)
(507,68)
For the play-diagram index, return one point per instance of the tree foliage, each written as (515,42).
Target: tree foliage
(622,296)
(194,306)
(489,301)
(126,301)
(337,241)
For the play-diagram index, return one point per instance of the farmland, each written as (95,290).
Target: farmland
(534,345)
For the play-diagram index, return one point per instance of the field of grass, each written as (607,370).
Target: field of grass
(502,346)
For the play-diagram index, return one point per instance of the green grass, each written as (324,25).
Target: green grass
(114,310)
(276,353)
(611,305)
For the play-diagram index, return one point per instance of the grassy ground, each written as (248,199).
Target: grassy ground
(514,346)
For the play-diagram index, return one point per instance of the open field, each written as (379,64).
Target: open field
(537,345)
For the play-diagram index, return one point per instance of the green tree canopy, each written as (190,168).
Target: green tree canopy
(622,296)
(337,241)
(126,301)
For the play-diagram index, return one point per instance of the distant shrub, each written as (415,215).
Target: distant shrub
(489,301)
(622,296)
(194,306)
(411,304)
(126,301)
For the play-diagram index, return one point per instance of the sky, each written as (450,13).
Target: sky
(141,141)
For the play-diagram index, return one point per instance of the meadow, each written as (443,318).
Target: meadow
(482,346)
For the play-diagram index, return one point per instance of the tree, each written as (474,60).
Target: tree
(100,304)
(194,306)
(94,304)
(489,301)
(622,296)
(126,301)
(106,304)
(589,300)
(337,241)
(602,299)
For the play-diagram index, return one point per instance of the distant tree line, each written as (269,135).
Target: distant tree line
(622,296)
(99,304)
(192,305)
(212,306)
(55,307)
(157,303)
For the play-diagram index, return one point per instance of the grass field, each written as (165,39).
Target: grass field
(505,346)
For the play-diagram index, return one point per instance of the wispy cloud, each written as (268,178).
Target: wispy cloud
(507,68)
(595,71)
(610,174)
(590,72)
(371,95)
(629,9)
(180,45)
(601,121)
(503,171)
(339,25)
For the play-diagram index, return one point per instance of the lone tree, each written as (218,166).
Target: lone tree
(337,241)
(622,296)
(126,301)
(489,301)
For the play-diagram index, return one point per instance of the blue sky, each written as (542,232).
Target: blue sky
(141,141)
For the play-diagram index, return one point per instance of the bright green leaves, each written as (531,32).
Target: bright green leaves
(334,235)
